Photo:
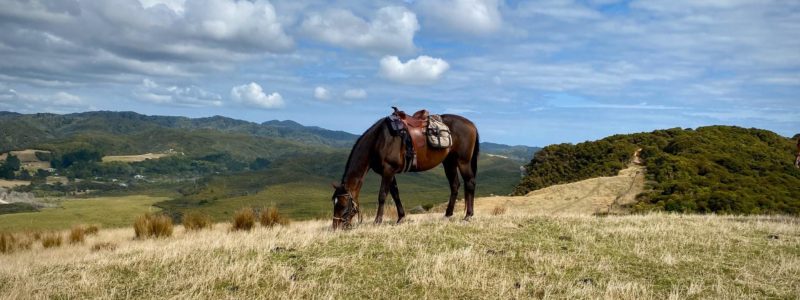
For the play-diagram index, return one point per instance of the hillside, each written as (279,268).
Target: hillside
(654,256)
(719,169)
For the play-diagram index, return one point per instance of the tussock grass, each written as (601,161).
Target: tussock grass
(10,242)
(499,210)
(91,230)
(244,219)
(270,217)
(194,220)
(52,240)
(152,225)
(77,235)
(104,246)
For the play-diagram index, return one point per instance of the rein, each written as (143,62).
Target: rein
(350,211)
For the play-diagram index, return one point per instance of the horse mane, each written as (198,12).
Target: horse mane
(358,143)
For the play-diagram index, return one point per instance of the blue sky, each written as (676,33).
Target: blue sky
(526,72)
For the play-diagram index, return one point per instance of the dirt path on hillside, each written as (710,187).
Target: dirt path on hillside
(590,196)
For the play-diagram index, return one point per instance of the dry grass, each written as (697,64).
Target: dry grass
(270,217)
(196,221)
(152,225)
(107,246)
(499,210)
(91,230)
(244,219)
(77,235)
(509,256)
(10,242)
(52,240)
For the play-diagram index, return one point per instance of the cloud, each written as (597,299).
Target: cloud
(477,17)
(253,95)
(321,93)
(391,31)
(355,94)
(190,96)
(59,102)
(120,40)
(421,70)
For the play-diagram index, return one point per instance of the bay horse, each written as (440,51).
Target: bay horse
(384,153)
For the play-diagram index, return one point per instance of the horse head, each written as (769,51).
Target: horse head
(345,207)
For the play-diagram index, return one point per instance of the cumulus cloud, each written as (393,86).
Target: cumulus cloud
(390,31)
(58,102)
(190,96)
(118,40)
(476,17)
(421,70)
(321,93)
(253,95)
(355,94)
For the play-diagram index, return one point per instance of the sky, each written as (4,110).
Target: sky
(526,72)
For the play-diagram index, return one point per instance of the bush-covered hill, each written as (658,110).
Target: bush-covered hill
(720,169)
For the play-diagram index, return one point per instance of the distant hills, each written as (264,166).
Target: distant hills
(722,169)
(220,164)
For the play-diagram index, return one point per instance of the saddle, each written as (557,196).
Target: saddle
(416,133)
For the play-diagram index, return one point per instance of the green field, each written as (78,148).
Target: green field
(106,212)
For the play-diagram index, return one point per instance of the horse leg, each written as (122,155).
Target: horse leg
(396,196)
(385,183)
(469,186)
(451,170)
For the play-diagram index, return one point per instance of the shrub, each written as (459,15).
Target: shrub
(51,240)
(152,225)
(196,221)
(499,210)
(77,235)
(244,219)
(270,217)
(103,246)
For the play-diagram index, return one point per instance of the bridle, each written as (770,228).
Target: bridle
(350,211)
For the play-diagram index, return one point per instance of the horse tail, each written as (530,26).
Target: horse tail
(475,151)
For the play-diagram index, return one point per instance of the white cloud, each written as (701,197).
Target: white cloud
(321,93)
(477,17)
(58,102)
(355,94)
(253,95)
(390,31)
(421,70)
(190,96)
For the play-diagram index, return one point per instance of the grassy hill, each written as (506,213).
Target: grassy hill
(711,169)
(654,256)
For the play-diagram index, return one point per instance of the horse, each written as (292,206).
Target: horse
(383,152)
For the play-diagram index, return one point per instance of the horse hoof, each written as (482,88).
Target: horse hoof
(378,222)
(467,218)
(401,220)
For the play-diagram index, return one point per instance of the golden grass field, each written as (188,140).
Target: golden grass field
(524,252)
(133,158)
(12,183)
(28,159)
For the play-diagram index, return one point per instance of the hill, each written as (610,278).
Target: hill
(517,153)
(720,169)
(654,256)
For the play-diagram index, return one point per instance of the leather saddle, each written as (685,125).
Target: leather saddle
(413,131)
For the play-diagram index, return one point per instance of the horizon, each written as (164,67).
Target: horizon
(527,73)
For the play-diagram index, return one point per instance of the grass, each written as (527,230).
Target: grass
(107,212)
(244,219)
(269,217)
(152,226)
(196,221)
(653,256)
(52,240)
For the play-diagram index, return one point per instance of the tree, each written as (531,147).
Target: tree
(12,162)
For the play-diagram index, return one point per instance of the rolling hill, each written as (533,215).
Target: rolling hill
(720,169)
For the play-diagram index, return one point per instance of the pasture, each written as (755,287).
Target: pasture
(654,256)
(103,211)
(133,158)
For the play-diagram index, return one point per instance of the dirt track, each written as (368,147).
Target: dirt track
(595,195)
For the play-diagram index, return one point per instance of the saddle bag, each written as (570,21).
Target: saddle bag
(438,133)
